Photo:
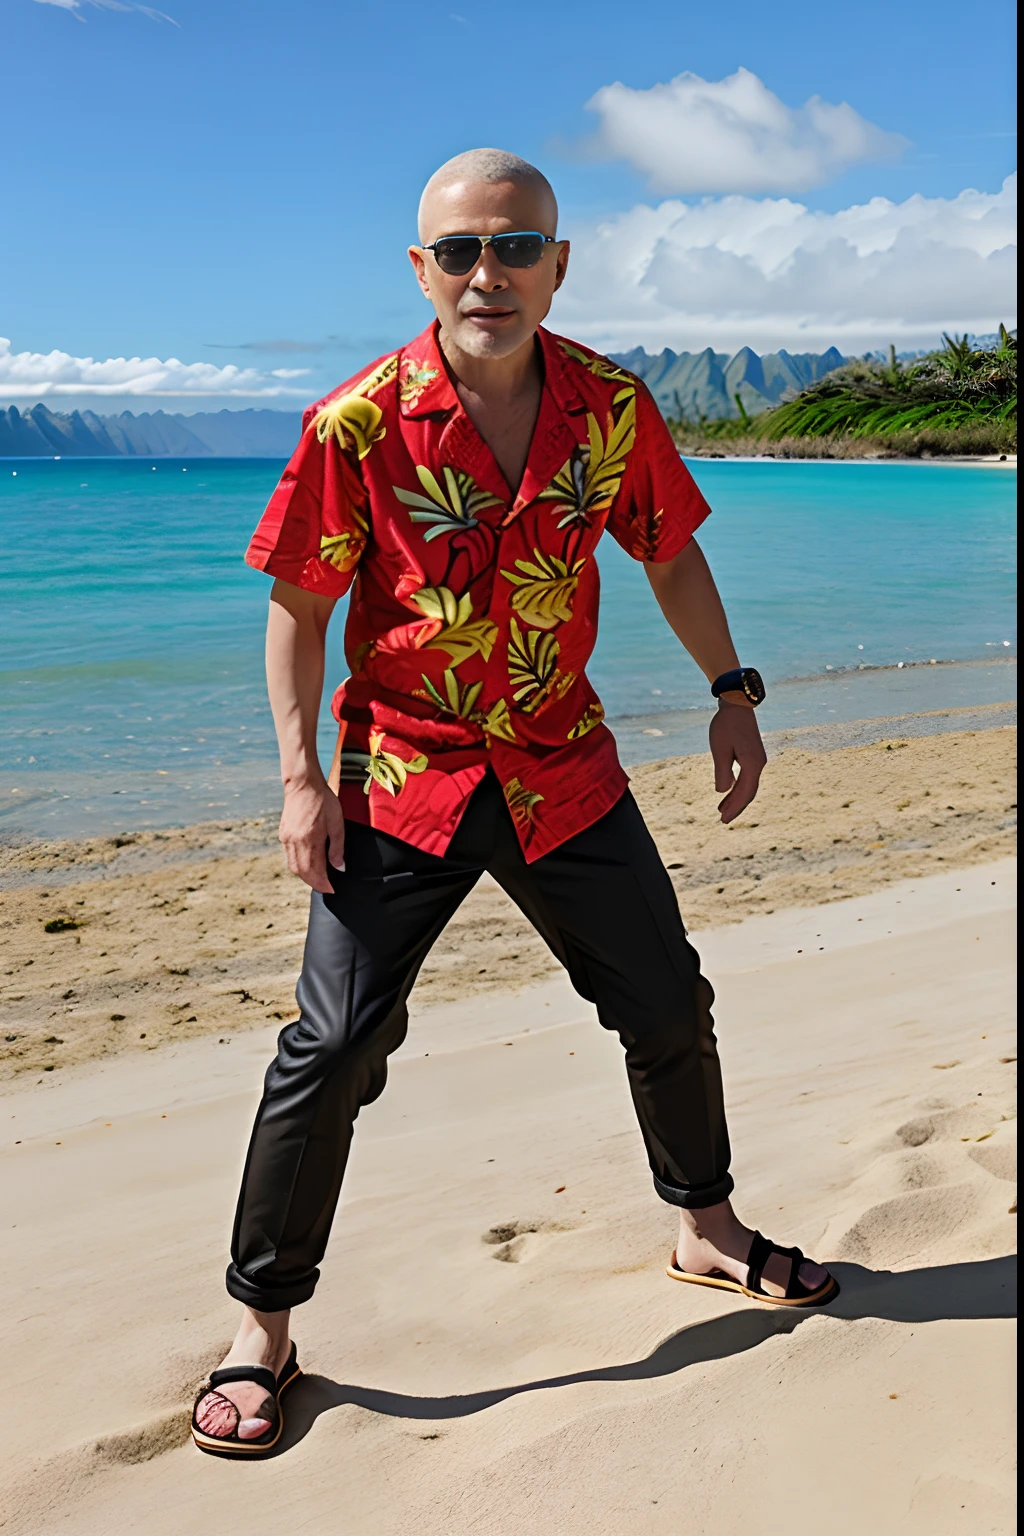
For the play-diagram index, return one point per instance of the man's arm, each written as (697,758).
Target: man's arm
(311,818)
(688,597)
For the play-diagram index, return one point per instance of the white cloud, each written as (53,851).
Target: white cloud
(731,135)
(41,375)
(736,271)
(75,7)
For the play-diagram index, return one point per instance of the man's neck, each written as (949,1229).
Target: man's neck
(501,396)
(495,381)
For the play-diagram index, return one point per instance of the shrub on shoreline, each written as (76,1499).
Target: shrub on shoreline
(956,401)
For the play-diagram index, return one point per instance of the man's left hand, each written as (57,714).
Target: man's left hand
(736,738)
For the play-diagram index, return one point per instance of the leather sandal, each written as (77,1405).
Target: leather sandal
(232,1444)
(761,1250)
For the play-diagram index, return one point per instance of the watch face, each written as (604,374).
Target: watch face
(753,687)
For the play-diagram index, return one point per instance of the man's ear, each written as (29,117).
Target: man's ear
(561,263)
(419,265)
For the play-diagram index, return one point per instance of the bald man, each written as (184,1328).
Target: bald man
(459,488)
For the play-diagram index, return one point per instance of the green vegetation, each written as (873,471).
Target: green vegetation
(958,400)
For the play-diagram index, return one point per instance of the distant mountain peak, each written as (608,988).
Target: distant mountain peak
(41,433)
(705,384)
(691,384)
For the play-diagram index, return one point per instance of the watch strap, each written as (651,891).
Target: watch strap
(745,680)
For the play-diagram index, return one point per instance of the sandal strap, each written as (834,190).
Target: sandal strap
(759,1253)
(795,1288)
(262,1375)
(761,1250)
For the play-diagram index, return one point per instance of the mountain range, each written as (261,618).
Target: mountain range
(249,434)
(690,384)
(705,384)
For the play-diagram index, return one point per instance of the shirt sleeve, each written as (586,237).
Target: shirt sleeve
(658,507)
(316,524)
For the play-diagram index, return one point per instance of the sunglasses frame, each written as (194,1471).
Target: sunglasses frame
(506,234)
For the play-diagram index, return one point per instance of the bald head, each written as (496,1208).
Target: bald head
(531,189)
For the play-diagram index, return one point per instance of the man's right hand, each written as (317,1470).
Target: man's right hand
(312,830)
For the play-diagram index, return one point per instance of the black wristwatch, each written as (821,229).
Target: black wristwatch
(740,680)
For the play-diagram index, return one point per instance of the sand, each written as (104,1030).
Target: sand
(495,1349)
(168,936)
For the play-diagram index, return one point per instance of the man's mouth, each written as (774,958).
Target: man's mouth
(489,314)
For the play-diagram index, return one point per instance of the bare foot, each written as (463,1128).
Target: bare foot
(715,1238)
(262,1339)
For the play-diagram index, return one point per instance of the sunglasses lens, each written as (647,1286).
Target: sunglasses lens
(457,254)
(518,250)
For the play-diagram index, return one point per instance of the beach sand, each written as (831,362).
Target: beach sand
(495,1347)
(199,931)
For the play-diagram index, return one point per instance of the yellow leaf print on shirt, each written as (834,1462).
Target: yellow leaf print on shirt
(353,418)
(589,481)
(458,699)
(354,421)
(544,589)
(498,722)
(460,634)
(450,510)
(601,367)
(521,801)
(388,769)
(532,664)
(343,549)
(591,717)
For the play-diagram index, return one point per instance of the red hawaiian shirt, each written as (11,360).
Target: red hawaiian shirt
(474,609)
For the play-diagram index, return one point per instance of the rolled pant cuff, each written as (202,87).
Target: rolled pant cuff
(269,1298)
(697,1196)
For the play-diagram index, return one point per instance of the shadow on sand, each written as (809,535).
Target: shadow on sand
(983,1289)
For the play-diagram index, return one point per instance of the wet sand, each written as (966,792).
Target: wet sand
(167,936)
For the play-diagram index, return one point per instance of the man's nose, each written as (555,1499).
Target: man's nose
(490,276)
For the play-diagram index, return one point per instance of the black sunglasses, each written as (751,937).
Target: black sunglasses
(459,254)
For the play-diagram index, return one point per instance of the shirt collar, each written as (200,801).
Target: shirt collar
(558,376)
(425,388)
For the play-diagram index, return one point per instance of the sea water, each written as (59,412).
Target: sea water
(131,637)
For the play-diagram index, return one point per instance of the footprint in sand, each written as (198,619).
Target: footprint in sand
(965,1122)
(513,1239)
(940,1178)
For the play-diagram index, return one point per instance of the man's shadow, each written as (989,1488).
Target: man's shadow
(986,1288)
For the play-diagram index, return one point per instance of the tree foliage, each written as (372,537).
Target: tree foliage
(956,387)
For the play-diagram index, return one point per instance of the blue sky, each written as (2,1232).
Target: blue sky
(246,173)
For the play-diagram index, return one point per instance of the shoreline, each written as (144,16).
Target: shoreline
(19,853)
(169,935)
(984,460)
(846,702)
(1007,460)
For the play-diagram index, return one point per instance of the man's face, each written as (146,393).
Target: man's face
(492,310)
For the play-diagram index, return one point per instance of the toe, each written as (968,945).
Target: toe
(216,1416)
(812,1276)
(251,1429)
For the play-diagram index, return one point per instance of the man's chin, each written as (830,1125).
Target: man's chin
(480,341)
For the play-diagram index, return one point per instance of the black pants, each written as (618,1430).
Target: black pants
(605,906)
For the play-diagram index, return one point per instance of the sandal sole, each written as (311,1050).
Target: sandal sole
(214,1446)
(822,1298)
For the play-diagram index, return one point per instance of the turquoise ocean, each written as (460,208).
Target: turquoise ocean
(131,682)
